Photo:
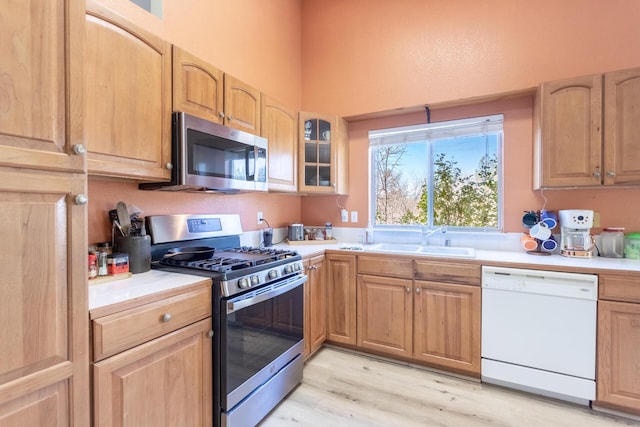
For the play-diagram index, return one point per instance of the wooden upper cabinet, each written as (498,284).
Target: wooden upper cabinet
(323,154)
(587,131)
(569,132)
(280,127)
(198,87)
(241,105)
(41,93)
(128,98)
(622,127)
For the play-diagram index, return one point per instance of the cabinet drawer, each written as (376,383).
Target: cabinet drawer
(451,272)
(121,331)
(379,266)
(619,288)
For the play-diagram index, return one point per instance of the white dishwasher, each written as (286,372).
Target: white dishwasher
(539,332)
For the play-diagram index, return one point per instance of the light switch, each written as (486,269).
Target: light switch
(354,216)
(345,215)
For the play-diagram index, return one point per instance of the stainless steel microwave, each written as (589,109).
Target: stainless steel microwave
(209,157)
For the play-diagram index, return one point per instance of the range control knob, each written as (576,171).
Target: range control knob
(273,274)
(243,283)
(255,280)
(288,269)
(298,266)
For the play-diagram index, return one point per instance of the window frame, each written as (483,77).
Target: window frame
(434,132)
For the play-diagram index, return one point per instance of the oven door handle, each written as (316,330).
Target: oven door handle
(233,306)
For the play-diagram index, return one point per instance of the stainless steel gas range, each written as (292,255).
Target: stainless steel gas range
(257,310)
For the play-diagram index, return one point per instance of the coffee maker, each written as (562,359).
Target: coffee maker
(575,228)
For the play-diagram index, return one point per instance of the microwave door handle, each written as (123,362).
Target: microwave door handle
(251,163)
(244,303)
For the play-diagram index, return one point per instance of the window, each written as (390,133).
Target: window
(446,173)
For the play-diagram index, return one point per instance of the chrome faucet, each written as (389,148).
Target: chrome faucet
(426,233)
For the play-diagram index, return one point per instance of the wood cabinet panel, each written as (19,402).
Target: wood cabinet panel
(447,326)
(198,87)
(450,272)
(385,315)
(45,407)
(341,298)
(163,382)
(618,385)
(570,132)
(280,127)
(619,288)
(315,302)
(121,331)
(44,306)
(128,92)
(242,105)
(41,91)
(385,266)
(622,127)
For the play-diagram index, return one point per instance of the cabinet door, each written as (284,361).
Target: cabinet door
(341,298)
(241,105)
(622,127)
(447,326)
(41,91)
(618,355)
(164,382)
(280,127)
(44,378)
(323,153)
(128,98)
(317,304)
(570,132)
(385,315)
(198,87)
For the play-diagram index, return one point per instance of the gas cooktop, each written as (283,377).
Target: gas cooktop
(234,259)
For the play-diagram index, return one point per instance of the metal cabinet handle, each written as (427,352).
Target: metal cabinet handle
(81,199)
(611,173)
(210,333)
(408,290)
(596,174)
(79,149)
(169,166)
(221,114)
(417,290)
(230,117)
(166,317)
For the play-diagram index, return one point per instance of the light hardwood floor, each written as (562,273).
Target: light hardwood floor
(346,389)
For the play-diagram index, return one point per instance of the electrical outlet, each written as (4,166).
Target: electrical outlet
(354,216)
(260,217)
(344,215)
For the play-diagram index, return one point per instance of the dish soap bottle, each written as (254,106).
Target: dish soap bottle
(368,236)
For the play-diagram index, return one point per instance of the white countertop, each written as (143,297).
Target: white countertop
(516,257)
(154,281)
(138,286)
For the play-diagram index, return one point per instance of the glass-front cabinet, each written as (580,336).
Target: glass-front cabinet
(323,154)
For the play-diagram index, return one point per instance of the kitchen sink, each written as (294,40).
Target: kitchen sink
(445,251)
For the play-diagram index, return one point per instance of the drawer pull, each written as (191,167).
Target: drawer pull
(166,317)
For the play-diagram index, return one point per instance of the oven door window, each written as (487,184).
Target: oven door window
(256,335)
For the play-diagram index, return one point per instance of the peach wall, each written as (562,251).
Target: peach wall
(279,210)
(362,57)
(619,207)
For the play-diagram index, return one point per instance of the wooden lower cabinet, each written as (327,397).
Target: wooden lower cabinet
(618,378)
(385,315)
(447,326)
(164,382)
(341,298)
(315,296)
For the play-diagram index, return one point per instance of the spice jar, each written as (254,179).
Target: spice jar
(612,242)
(93,270)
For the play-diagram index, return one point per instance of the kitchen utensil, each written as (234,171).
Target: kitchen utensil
(192,253)
(123,218)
